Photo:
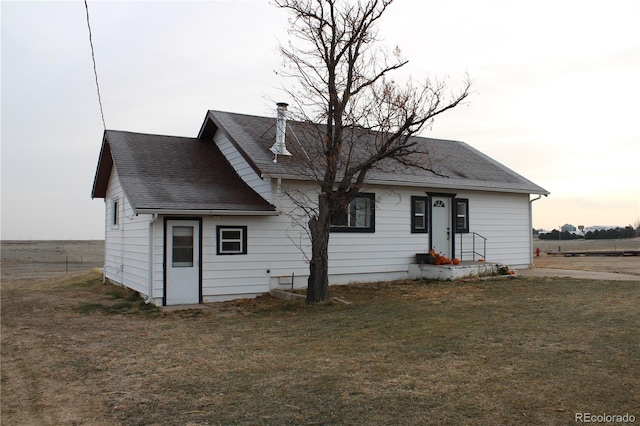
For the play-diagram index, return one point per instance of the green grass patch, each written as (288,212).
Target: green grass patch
(112,298)
(117,308)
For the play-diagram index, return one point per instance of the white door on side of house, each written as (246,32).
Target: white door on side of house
(182,262)
(441,235)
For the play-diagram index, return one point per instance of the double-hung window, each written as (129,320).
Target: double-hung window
(358,217)
(232,239)
(462,215)
(419,215)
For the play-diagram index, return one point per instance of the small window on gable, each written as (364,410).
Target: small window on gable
(232,239)
(359,217)
(462,215)
(115,212)
(419,211)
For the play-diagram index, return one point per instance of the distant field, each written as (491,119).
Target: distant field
(619,264)
(586,245)
(43,258)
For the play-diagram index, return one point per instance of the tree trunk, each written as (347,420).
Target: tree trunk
(318,283)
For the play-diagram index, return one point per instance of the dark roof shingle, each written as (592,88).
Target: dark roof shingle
(457,164)
(167,173)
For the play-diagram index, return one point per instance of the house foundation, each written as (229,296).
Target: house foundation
(466,269)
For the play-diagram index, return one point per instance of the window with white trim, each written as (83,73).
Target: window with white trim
(359,216)
(232,239)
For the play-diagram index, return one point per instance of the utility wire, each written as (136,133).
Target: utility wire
(95,70)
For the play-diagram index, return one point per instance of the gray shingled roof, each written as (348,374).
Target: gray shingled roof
(458,165)
(167,173)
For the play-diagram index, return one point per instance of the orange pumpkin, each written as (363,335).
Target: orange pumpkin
(456,261)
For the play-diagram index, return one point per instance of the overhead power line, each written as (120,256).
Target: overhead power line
(95,69)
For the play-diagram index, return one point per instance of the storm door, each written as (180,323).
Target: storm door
(182,262)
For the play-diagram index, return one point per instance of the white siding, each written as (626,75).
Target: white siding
(126,244)
(384,254)
(242,168)
(270,254)
(276,243)
(504,220)
(278,246)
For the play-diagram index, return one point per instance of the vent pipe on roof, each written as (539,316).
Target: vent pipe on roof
(280,148)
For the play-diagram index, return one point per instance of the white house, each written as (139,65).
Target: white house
(191,220)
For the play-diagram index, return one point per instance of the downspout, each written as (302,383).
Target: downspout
(106,221)
(278,195)
(531,228)
(151,245)
(121,227)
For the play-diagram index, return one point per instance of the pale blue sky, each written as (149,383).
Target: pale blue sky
(556,93)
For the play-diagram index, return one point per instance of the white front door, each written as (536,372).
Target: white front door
(441,237)
(182,262)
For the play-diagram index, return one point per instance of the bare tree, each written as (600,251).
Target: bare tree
(367,119)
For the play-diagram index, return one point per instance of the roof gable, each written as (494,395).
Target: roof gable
(105,164)
(167,173)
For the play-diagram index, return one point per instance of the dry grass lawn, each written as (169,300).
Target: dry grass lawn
(504,351)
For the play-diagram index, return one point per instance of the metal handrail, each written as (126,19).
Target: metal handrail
(473,250)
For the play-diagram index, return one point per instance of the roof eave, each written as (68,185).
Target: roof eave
(414,184)
(103,171)
(457,186)
(205,212)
